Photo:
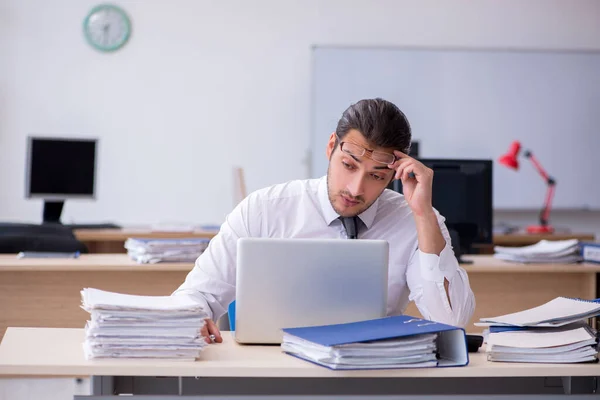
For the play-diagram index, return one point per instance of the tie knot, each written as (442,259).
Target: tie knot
(351,225)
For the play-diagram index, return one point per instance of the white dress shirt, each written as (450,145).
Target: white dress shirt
(301,209)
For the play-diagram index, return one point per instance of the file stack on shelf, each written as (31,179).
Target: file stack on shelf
(151,251)
(590,252)
(544,251)
(555,332)
(392,342)
(129,326)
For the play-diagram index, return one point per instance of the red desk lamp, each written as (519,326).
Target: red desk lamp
(510,160)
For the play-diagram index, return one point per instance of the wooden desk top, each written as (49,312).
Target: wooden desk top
(120,235)
(58,352)
(122,262)
(523,238)
(85,262)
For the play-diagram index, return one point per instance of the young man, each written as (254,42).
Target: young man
(366,152)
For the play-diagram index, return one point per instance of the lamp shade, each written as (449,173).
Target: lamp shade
(510,158)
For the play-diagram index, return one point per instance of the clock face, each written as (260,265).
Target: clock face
(107,27)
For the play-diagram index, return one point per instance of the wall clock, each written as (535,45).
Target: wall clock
(107,27)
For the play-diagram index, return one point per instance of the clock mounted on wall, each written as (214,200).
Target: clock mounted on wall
(107,27)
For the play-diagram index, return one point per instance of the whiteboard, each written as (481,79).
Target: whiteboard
(473,104)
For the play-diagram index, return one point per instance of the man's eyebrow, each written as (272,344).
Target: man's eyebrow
(383,167)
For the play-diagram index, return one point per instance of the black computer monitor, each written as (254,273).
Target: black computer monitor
(60,169)
(462,193)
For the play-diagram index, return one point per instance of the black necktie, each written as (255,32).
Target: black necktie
(351,225)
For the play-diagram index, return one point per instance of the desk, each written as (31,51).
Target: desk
(110,241)
(58,352)
(113,240)
(46,292)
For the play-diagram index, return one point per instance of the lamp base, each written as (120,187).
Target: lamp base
(540,229)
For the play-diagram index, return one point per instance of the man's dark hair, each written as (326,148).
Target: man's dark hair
(379,121)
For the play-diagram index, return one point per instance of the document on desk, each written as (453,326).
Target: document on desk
(392,342)
(130,326)
(151,251)
(558,312)
(552,345)
(545,251)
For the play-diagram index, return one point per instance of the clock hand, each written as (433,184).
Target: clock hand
(105,29)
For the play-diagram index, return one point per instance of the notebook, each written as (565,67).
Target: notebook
(558,312)
(392,342)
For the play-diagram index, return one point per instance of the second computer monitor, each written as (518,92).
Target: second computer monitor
(462,193)
(60,169)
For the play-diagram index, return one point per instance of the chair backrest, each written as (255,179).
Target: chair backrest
(17,237)
(21,229)
(231,314)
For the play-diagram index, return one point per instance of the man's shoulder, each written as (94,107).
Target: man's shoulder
(286,190)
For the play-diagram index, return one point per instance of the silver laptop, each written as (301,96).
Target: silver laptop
(285,283)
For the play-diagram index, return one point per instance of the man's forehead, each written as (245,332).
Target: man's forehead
(357,137)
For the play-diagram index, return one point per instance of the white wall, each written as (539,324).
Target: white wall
(206,85)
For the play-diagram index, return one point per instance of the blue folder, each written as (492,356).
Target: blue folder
(451,341)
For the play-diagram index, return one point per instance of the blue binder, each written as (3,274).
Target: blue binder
(590,252)
(451,340)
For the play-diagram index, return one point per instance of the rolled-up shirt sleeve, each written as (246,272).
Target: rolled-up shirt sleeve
(425,277)
(211,282)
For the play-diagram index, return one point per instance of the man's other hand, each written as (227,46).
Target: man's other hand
(210,328)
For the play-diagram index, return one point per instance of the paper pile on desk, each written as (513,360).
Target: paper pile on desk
(554,332)
(129,326)
(150,251)
(551,345)
(544,251)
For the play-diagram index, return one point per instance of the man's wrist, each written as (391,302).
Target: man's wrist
(426,215)
(431,240)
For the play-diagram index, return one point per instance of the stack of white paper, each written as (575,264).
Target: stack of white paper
(129,326)
(545,251)
(165,250)
(554,332)
(573,345)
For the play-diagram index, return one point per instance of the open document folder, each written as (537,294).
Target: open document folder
(558,312)
(392,342)
(555,332)
(130,326)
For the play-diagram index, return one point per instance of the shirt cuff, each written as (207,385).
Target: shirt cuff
(435,268)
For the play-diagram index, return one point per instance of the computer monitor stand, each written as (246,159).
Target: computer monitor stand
(52,211)
(457,247)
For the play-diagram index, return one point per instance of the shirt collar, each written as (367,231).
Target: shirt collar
(330,215)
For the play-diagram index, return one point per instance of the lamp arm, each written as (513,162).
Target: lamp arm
(551,182)
(545,213)
(537,165)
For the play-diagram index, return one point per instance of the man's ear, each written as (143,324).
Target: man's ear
(330,145)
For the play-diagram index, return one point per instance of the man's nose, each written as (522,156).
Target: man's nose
(356,186)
